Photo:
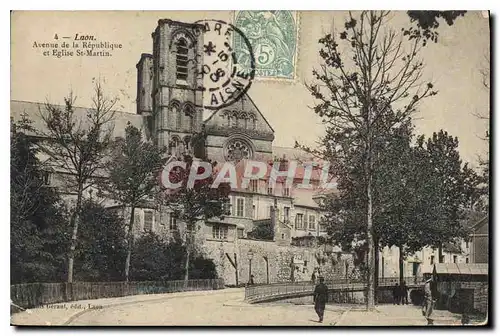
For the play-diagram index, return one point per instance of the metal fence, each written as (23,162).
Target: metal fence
(37,294)
(393,281)
(254,293)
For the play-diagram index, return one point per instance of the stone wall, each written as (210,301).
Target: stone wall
(480,294)
(271,262)
(451,292)
(481,298)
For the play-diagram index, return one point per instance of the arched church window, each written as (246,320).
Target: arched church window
(187,143)
(234,120)
(181,59)
(174,146)
(178,118)
(244,120)
(175,116)
(191,122)
(189,113)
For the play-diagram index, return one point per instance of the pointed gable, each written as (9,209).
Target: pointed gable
(241,117)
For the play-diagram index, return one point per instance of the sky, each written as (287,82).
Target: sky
(454,65)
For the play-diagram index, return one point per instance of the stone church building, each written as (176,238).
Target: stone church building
(169,96)
(169,112)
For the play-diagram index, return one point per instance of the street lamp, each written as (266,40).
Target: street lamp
(250,257)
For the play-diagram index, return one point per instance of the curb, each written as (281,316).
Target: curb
(238,304)
(113,305)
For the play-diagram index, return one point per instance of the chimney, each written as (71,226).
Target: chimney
(274,218)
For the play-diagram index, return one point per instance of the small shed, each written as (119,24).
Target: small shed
(462,287)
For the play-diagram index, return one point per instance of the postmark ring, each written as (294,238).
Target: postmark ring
(224,80)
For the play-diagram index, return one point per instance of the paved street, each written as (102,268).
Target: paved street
(222,308)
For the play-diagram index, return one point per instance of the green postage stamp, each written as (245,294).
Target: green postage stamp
(273,37)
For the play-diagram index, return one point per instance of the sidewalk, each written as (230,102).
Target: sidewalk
(63,313)
(395,315)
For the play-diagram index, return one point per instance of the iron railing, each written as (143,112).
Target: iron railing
(31,295)
(262,292)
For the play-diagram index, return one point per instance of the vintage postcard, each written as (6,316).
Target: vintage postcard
(250,168)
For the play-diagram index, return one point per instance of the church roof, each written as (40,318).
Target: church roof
(33,110)
(291,153)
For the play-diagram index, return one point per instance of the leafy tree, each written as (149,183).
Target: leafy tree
(390,196)
(157,259)
(355,89)
(202,268)
(264,232)
(39,236)
(427,22)
(101,245)
(194,203)
(446,193)
(76,146)
(484,161)
(133,172)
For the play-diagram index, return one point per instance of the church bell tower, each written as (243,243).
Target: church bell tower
(170,93)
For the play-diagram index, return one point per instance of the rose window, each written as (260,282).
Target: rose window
(237,150)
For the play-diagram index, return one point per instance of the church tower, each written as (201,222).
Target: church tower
(169,87)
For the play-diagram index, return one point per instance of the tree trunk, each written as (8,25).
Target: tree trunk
(401,265)
(440,253)
(75,219)
(370,290)
(376,269)
(130,240)
(189,227)
(186,266)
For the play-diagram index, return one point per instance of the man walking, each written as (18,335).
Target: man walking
(428,305)
(320,297)
(395,294)
(404,293)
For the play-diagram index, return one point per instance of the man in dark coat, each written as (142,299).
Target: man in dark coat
(320,297)
(395,294)
(404,293)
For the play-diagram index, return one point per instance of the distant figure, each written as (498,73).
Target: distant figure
(320,297)
(395,294)
(313,277)
(251,280)
(428,305)
(404,293)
